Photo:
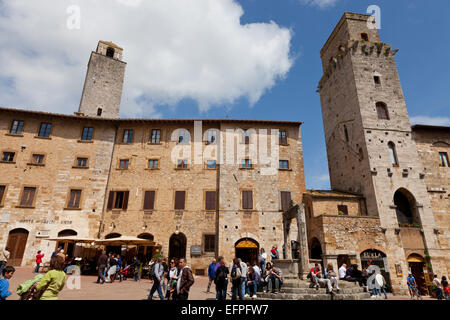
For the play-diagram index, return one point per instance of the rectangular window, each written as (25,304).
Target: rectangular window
(211,164)
(246,163)
(282,137)
(285,200)
(153,164)
(247,199)
(8,156)
(180,197)
(210,243)
(28,197)
(124,163)
(2,193)
(444,159)
(382,111)
(156,136)
(246,136)
(127,136)
(182,164)
(149,200)
(87,134)
(377,79)
(342,210)
(82,162)
(118,200)
(44,131)
(16,127)
(210,200)
(37,159)
(284,164)
(74,200)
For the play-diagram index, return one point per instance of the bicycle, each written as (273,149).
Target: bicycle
(416,293)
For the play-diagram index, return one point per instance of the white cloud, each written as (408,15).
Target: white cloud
(319,3)
(320,182)
(434,121)
(175,49)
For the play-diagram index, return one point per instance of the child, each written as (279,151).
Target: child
(7,272)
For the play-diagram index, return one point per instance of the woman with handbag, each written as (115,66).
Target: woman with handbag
(53,281)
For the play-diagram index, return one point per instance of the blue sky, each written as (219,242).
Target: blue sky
(250,68)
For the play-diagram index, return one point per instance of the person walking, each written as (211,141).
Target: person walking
(244,272)
(221,279)
(53,281)
(165,274)
(438,289)
(380,284)
(173,278)
(4,257)
(211,274)
(135,265)
(101,266)
(185,281)
(39,257)
(236,280)
(262,260)
(445,287)
(156,274)
(7,274)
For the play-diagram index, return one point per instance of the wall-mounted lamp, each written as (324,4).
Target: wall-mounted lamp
(177,231)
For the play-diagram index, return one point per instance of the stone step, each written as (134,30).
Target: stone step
(307,284)
(321,290)
(317,296)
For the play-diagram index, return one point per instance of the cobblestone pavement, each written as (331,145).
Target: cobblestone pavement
(125,290)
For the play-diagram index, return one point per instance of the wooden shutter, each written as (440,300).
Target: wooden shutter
(285,200)
(179,200)
(2,192)
(126,194)
(210,200)
(71,199)
(77,198)
(27,197)
(110,200)
(247,199)
(149,200)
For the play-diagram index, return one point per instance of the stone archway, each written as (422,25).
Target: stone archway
(316,249)
(145,253)
(406,208)
(177,246)
(377,258)
(416,264)
(17,242)
(247,249)
(68,247)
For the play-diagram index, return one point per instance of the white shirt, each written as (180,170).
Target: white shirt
(264,255)
(342,272)
(256,268)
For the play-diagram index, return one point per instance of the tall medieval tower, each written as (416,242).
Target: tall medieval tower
(102,90)
(369,143)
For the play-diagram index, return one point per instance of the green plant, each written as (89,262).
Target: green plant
(359,214)
(157,255)
(341,213)
(374,214)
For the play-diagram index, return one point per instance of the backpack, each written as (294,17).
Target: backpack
(221,275)
(235,273)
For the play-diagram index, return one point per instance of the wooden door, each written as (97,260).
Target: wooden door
(17,241)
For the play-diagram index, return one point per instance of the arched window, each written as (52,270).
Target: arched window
(393,154)
(110,52)
(364,37)
(346,133)
(382,111)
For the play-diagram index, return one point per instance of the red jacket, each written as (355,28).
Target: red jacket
(39,258)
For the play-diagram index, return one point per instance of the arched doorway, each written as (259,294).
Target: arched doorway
(416,264)
(406,209)
(379,259)
(316,249)
(17,242)
(145,253)
(343,258)
(113,249)
(177,246)
(247,250)
(68,247)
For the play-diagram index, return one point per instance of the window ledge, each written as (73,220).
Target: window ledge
(150,169)
(26,207)
(45,138)
(14,135)
(124,143)
(280,169)
(155,143)
(10,162)
(123,169)
(78,209)
(36,164)
(284,144)
(242,168)
(79,167)
(116,211)
(85,141)
(210,211)
(248,210)
(182,168)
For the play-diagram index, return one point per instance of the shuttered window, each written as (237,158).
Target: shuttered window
(16,127)
(118,200)
(156,136)
(210,243)
(149,200)
(37,159)
(127,136)
(285,200)
(44,130)
(74,199)
(282,137)
(8,157)
(247,199)
(210,200)
(180,197)
(87,134)
(2,193)
(28,197)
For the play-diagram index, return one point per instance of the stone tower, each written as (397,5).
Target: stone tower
(102,90)
(369,143)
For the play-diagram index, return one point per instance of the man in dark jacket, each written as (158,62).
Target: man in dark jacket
(221,279)
(101,265)
(185,280)
(211,274)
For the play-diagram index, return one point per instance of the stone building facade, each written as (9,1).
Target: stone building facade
(372,151)
(197,188)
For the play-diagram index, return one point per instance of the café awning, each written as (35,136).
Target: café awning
(72,239)
(125,240)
